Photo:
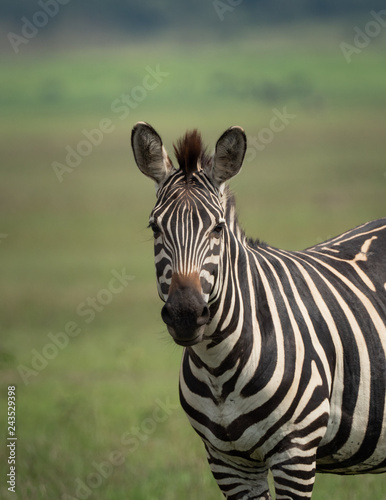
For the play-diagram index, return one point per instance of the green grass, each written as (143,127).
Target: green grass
(93,406)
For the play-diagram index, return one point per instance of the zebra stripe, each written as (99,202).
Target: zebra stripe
(284,366)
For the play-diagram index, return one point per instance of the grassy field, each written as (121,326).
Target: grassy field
(95,372)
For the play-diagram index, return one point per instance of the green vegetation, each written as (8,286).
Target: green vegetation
(98,415)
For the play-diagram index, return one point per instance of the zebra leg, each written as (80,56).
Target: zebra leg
(294,479)
(238,480)
(237,486)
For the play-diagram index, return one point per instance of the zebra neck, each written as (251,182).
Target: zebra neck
(233,336)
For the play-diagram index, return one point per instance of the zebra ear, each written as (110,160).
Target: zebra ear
(150,154)
(228,156)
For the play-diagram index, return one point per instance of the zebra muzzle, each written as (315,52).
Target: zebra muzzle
(185,313)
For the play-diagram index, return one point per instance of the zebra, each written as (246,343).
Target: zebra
(284,360)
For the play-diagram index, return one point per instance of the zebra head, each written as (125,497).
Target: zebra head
(188,222)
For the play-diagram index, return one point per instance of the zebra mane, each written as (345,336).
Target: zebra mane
(190,153)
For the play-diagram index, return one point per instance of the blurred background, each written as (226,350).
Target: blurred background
(81,336)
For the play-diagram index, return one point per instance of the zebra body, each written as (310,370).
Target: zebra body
(284,366)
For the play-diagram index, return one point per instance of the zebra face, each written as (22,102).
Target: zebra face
(188,223)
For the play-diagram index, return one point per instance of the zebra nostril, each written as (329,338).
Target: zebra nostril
(165,314)
(205,316)
(197,318)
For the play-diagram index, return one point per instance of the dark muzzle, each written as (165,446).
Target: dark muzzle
(186,314)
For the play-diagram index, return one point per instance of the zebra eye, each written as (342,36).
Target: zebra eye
(218,230)
(154,227)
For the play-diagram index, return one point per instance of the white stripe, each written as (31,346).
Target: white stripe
(359,257)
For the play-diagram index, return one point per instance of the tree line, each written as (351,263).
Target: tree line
(141,16)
